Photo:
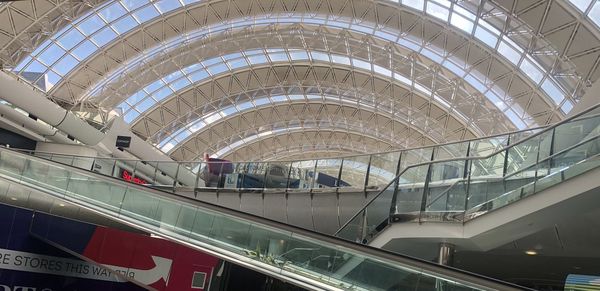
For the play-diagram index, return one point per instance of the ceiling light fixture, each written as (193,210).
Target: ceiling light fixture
(531,252)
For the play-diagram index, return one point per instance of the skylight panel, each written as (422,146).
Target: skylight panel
(509,53)
(299,55)
(278,57)
(133,4)
(112,12)
(553,91)
(51,54)
(217,69)
(437,11)
(145,105)
(340,59)
(180,84)
(70,39)
(104,36)
(154,85)
(36,66)
(486,37)
(239,63)
(65,65)
(531,70)
(257,59)
(137,97)
(319,56)
(131,116)
(582,5)
(165,6)
(594,13)
(461,22)
(125,24)
(416,4)
(199,75)
(84,49)
(567,107)
(162,93)
(261,101)
(91,24)
(146,13)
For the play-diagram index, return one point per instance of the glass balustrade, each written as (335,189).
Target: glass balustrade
(285,251)
(363,173)
(468,179)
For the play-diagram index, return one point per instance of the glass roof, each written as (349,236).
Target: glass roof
(180,136)
(174,83)
(589,8)
(85,36)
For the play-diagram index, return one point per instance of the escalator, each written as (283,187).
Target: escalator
(489,197)
(307,259)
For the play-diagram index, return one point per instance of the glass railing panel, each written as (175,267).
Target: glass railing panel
(12,165)
(378,212)
(354,172)
(327,174)
(106,166)
(47,175)
(87,189)
(451,151)
(415,156)
(185,220)
(140,205)
(571,133)
(383,169)
(522,155)
(446,186)
(302,174)
(165,173)
(63,159)
(409,197)
(255,175)
(277,175)
(354,229)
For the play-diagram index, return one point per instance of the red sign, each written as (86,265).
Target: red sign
(125,175)
(154,262)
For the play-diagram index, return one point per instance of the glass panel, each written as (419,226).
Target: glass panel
(522,155)
(140,206)
(328,172)
(12,165)
(354,172)
(277,175)
(410,193)
(302,174)
(383,169)
(378,213)
(254,176)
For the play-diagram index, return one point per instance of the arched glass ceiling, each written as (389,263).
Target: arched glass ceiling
(170,142)
(589,8)
(142,101)
(61,53)
(236,144)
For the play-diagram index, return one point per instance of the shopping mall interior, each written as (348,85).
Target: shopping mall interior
(299,145)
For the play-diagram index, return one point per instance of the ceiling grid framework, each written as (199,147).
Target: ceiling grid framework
(447,70)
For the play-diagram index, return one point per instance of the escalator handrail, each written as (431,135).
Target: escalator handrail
(506,148)
(412,263)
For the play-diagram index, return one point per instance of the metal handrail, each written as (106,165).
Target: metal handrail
(419,264)
(570,119)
